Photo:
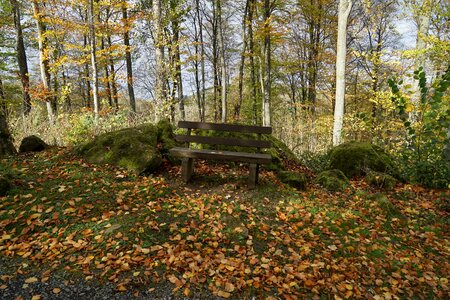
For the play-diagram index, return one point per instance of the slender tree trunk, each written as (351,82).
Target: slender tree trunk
(114,91)
(215,63)
(237,108)
(202,61)
(196,69)
(106,70)
(21,58)
(3,107)
(161,78)
(87,75)
(94,58)
(129,62)
(344,10)
(43,59)
(177,65)
(253,76)
(223,66)
(267,65)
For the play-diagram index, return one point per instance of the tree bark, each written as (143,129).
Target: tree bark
(344,10)
(6,144)
(43,60)
(21,58)
(237,107)
(129,62)
(114,92)
(223,66)
(267,66)
(161,78)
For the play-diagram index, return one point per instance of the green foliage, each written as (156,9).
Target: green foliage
(316,162)
(84,127)
(426,124)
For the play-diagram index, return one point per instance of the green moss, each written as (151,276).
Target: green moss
(135,149)
(386,205)
(166,140)
(357,158)
(381,180)
(296,180)
(332,180)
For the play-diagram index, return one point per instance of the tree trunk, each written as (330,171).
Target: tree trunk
(161,78)
(43,60)
(21,58)
(114,92)
(129,62)
(252,61)
(237,107)
(94,58)
(344,10)
(267,66)
(3,107)
(87,75)
(6,145)
(223,66)
(177,62)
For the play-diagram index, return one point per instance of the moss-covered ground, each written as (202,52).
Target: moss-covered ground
(103,224)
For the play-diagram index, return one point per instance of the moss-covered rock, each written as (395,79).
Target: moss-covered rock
(166,140)
(32,143)
(381,180)
(294,179)
(5,186)
(357,158)
(135,149)
(333,180)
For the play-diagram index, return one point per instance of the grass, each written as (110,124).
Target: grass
(101,222)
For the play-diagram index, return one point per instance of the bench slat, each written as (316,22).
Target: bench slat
(256,158)
(225,127)
(213,140)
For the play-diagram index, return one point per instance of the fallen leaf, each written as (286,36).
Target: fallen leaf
(31,280)
(56,290)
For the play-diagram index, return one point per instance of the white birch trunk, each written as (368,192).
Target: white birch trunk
(344,10)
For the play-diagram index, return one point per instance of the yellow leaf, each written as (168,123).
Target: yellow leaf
(56,290)
(121,288)
(187,292)
(31,280)
(229,287)
(36,297)
(223,294)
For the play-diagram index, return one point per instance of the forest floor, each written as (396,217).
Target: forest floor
(70,229)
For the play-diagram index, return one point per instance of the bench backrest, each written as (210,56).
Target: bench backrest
(227,141)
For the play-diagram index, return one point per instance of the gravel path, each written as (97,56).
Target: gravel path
(68,286)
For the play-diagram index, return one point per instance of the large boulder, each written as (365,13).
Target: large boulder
(138,149)
(333,180)
(357,158)
(32,143)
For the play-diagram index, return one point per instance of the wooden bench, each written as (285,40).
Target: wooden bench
(254,159)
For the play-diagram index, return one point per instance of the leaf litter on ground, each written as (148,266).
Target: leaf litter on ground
(103,224)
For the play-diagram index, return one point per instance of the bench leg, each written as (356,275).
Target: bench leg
(187,168)
(253,177)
